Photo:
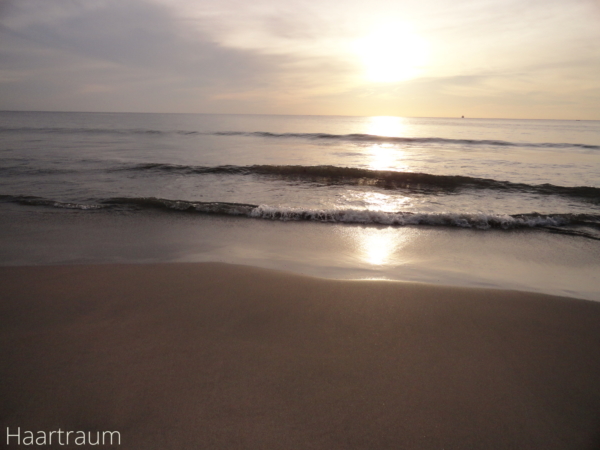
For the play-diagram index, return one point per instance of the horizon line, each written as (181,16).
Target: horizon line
(279,114)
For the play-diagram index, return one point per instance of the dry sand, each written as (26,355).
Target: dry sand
(215,356)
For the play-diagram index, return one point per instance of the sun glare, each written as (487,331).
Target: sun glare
(392,53)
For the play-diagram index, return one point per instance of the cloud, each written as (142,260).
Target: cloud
(267,56)
(129,46)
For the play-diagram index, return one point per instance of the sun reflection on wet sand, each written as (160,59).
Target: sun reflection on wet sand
(380,247)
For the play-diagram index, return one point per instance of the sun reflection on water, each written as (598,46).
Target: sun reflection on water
(385,155)
(386,126)
(376,201)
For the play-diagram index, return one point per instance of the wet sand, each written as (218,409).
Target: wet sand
(215,356)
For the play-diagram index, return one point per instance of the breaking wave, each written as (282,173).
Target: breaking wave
(585,225)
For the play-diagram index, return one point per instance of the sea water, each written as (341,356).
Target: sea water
(477,202)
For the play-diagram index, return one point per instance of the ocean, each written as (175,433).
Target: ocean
(510,204)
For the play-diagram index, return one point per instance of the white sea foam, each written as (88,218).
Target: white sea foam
(463,220)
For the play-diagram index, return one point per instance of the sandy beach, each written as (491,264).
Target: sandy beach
(215,356)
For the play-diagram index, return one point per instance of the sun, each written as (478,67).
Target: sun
(392,53)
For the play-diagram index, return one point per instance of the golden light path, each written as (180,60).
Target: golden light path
(380,246)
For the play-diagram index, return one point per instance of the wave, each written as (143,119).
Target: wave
(386,179)
(353,137)
(359,137)
(40,201)
(113,131)
(24,170)
(584,225)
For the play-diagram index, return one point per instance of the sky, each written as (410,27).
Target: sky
(537,59)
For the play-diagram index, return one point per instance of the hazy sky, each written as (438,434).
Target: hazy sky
(478,58)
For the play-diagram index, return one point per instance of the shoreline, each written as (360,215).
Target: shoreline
(215,355)
(524,260)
